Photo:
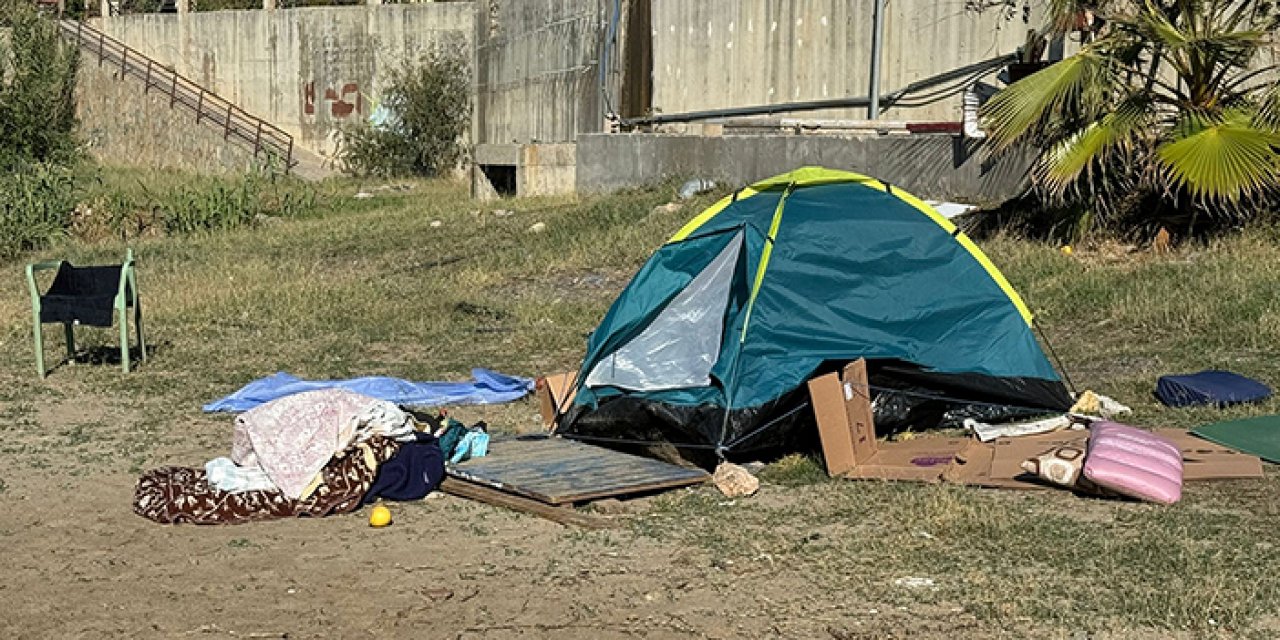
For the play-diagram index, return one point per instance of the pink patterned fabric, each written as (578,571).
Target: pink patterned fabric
(1133,462)
(293,437)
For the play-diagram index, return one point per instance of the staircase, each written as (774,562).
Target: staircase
(209,108)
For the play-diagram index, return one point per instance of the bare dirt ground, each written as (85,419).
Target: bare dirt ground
(79,563)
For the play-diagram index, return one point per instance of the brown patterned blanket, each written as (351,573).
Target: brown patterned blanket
(170,495)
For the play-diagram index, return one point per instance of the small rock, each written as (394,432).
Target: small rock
(538,227)
(670,207)
(438,594)
(435,224)
(734,481)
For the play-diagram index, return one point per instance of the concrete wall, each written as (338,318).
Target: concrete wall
(537,74)
(307,70)
(123,126)
(929,166)
(711,54)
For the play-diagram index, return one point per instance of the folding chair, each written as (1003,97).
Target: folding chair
(88,296)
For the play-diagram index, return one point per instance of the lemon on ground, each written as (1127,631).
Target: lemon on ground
(1067,250)
(380,516)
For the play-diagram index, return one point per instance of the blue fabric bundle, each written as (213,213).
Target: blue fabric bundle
(488,387)
(1209,387)
(415,470)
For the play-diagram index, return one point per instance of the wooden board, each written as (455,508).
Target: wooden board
(487,495)
(561,471)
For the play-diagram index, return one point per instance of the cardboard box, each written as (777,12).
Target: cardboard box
(842,405)
(555,393)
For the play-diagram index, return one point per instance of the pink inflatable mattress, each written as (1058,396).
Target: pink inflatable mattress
(1133,462)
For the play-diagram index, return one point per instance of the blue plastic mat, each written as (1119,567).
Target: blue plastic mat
(488,387)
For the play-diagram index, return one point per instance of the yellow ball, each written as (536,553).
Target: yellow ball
(380,516)
(1066,250)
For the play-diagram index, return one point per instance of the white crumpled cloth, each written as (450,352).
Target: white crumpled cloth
(291,438)
(225,475)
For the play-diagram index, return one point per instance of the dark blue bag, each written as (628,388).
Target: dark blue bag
(1209,387)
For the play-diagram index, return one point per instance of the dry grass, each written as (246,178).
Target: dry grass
(376,287)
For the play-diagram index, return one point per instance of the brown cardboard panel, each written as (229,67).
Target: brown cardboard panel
(833,424)
(1204,460)
(1008,454)
(551,392)
(924,459)
(998,463)
(857,404)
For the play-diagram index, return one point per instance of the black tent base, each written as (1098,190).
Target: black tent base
(903,398)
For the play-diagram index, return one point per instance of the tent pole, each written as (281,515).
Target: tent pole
(877,43)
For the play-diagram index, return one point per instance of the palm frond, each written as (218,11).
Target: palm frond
(1220,157)
(1016,111)
(1069,159)
(1268,113)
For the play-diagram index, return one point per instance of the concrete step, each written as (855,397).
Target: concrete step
(312,166)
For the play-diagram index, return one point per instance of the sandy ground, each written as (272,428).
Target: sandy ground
(80,564)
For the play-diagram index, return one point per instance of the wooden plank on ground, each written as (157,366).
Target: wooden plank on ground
(560,471)
(487,495)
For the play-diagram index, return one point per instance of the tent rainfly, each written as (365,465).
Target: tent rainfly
(710,344)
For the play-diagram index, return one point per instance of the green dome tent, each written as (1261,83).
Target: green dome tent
(710,344)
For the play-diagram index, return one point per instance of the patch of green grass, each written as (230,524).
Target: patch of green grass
(794,470)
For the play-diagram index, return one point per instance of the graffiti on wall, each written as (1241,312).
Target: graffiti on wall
(341,102)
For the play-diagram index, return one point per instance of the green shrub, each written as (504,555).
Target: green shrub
(36,206)
(37,89)
(429,110)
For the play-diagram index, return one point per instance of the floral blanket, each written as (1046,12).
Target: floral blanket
(170,495)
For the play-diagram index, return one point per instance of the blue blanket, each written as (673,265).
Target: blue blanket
(488,387)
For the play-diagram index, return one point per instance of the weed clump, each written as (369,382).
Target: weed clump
(193,206)
(417,129)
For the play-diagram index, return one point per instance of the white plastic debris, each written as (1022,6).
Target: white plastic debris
(915,582)
(694,187)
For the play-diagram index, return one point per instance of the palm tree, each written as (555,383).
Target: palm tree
(1172,98)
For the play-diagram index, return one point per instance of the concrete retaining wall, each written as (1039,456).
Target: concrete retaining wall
(537,75)
(929,166)
(306,70)
(123,126)
(710,54)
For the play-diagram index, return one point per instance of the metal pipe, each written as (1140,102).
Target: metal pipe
(966,71)
(877,34)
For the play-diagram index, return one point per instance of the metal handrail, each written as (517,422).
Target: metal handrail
(207,106)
